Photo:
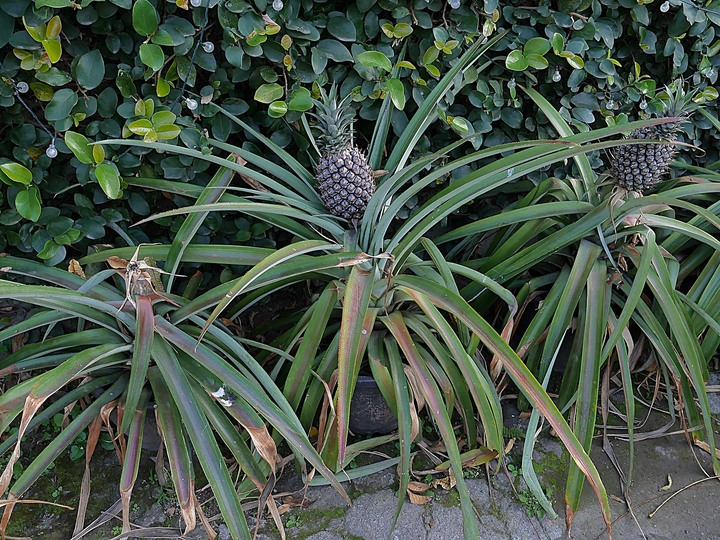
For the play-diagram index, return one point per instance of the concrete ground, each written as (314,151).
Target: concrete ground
(693,513)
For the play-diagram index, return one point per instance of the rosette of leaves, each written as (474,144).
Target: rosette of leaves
(387,296)
(628,288)
(111,344)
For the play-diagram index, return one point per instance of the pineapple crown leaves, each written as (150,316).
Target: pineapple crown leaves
(333,121)
(677,101)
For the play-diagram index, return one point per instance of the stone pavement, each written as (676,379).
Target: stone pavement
(693,513)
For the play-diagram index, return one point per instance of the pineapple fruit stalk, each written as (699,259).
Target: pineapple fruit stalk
(345,180)
(639,167)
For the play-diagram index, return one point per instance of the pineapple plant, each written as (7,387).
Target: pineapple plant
(639,167)
(345,179)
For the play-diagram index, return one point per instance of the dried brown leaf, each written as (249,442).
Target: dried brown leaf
(706,447)
(75,268)
(93,437)
(447,483)
(116,262)
(418,487)
(204,520)
(418,499)
(188,510)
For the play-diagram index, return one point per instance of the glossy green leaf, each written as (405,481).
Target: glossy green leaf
(61,104)
(300,100)
(80,146)
(536,45)
(109,179)
(90,69)
(17,172)
(397,92)
(516,61)
(145,18)
(277,109)
(53,48)
(375,59)
(267,93)
(28,204)
(342,28)
(152,56)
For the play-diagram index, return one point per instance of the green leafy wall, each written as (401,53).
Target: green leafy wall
(99,69)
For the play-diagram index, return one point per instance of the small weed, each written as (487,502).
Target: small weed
(473,472)
(526,497)
(513,433)
(57,492)
(116,530)
(165,497)
(530,504)
(293,521)
(106,441)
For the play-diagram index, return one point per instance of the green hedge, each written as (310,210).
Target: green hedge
(109,68)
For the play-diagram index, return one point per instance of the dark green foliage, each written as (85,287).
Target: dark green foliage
(88,69)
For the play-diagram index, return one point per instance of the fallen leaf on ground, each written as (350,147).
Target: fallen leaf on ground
(705,446)
(415,492)
(446,483)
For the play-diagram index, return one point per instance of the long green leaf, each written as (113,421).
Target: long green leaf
(144,335)
(352,328)
(427,113)
(133,451)
(431,393)
(196,253)
(59,405)
(585,259)
(586,404)
(518,372)
(36,320)
(689,347)
(49,382)
(280,257)
(564,130)
(483,393)
(199,433)
(231,437)
(84,339)
(288,426)
(55,447)
(297,167)
(258,209)
(402,405)
(190,226)
(300,371)
(100,312)
(512,217)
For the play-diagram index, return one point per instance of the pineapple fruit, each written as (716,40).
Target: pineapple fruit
(638,167)
(345,180)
